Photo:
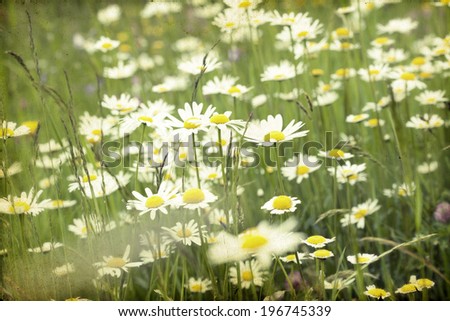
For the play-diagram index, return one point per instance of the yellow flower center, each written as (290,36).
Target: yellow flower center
(192,122)
(326,87)
(407,288)
(288,20)
(302,34)
(282,202)
(219,119)
(96,132)
(146,119)
(336,153)
(274,135)
(342,32)
(234,90)
(376,292)
(107,45)
(317,72)
(374,72)
(402,192)
(358,117)
(154,201)
(361,213)
(58,203)
(252,240)
(439,52)
(32,125)
(372,122)
(362,259)
(196,287)
(116,262)
(184,233)
(279,76)
(342,72)
(193,196)
(424,283)
(382,40)
(230,24)
(6,132)
(245,4)
(19,207)
(418,61)
(84,230)
(291,257)
(91,178)
(212,176)
(408,76)
(302,170)
(346,45)
(247,276)
(316,239)
(424,74)
(322,254)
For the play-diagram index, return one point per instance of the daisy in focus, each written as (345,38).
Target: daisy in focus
(361,258)
(199,285)
(270,131)
(281,204)
(376,293)
(195,198)
(349,173)
(299,167)
(318,241)
(187,233)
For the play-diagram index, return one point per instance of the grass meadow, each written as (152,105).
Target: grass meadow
(224,150)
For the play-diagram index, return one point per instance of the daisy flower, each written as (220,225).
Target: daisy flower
(8,130)
(379,105)
(285,70)
(81,229)
(400,190)
(374,122)
(13,169)
(356,118)
(46,247)
(321,254)
(271,131)
(318,241)
(219,217)
(194,198)
(229,20)
(429,97)
(242,4)
(121,71)
(199,285)
(294,256)
(211,174)
(94,128)
(299,167)
(421,284)
(251,273)
(115,266)
(349,173)
(358,213)
(337,284)
(171,83)
(120,105)
(109,14)
(376,293)
(24,204)
(376,72)
(105,44)
(281,204)
(405,25)
(63,270)
(343,74)
(286,19)
(187,233)
(382,42)
(304,28)
(219,85)
(263,241)
(335,153)
(362,258)
(97,184)
(152,203)
(199,64)
(426,168)
(327,99)
(55,204)
(222,121)
(53,146)
(155,253)
(425,122)
(146,115)
(192,120)
(405,79)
